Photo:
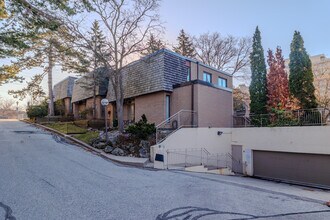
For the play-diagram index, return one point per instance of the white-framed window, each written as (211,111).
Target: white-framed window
(222,82)
(207,77)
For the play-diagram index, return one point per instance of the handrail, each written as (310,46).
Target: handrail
(175,122)
(176,114)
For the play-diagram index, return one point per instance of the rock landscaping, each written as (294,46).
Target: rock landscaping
(135,142)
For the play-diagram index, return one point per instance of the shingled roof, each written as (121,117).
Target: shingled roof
(156,72)
(83,89)
(63,89)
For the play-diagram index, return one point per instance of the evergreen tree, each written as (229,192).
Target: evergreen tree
(258,86)
(153,45)
(98,41)
(277,81)
(91,62)
(301,75)
(185,46)
(29,35)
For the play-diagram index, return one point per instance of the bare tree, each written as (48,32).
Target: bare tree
(321,73)
(6,107)
(126,26)
(229,54)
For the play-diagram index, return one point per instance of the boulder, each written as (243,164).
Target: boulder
(108,149)
(100,145)
(118,152)
(112,136)
(143,153)
(145,145)
(94,141)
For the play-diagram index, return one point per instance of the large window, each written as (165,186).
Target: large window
(222,82)
(168,107)
(207,77)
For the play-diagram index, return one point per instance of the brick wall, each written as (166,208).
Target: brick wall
(152,105)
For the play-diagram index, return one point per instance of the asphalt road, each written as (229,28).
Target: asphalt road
(43,177)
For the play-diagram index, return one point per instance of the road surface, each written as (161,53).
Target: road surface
(43,177)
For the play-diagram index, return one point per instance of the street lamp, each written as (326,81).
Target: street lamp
(17,110)
(105,103)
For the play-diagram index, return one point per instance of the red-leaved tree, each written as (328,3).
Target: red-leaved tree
(277,82)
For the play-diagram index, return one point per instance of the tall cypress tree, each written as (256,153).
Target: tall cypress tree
(185,46)
(301,74)
(258,86)
(277,81)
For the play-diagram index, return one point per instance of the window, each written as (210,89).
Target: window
(188,74)
(207,77)
(167,107)
(222,82)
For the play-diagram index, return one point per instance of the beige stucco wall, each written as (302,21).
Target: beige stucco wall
(309,139)
(152,105)
(207,138)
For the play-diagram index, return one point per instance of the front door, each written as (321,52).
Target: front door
(237,158)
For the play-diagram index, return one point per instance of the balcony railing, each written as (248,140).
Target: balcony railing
(301,117)
(181,119)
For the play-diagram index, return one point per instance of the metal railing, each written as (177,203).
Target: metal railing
(301,117)
(181,158)
(181,119)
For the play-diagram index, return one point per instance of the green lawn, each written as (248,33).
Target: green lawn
(67,128)
(87,137)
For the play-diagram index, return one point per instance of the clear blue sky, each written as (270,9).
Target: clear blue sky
(277,21)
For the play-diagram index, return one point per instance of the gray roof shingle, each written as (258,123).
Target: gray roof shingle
(83,88)
(156,72)
(63,89)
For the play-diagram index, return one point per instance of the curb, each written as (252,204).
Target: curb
(117,159)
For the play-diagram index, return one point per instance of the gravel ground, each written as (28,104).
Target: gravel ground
(43,177)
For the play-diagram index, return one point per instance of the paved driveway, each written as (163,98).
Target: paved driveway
(43,177)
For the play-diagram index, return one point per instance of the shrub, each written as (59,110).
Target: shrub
(59,107)
(37,111)
(142,129)
(96,123)
(115,123)
(280,118)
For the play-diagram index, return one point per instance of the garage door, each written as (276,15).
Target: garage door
(311,169)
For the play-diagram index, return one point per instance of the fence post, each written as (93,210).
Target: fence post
(201,156)
(185,158)
(167,159)
(217,160)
